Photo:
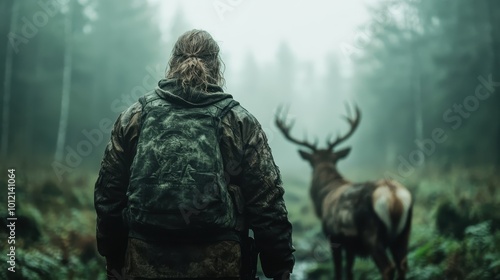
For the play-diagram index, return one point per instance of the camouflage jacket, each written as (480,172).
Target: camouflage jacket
(248,163)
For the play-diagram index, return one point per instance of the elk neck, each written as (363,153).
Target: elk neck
(325,179)
(324,174)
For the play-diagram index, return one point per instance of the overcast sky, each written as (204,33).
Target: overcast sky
(312,28)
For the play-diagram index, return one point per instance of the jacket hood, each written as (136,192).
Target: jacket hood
(171,90)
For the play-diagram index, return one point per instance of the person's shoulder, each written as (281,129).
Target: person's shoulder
(243,123)
(241,114)
(131,113)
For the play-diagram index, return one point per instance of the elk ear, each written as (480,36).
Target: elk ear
(343,153)
(305,155)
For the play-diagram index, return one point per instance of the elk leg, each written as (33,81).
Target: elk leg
(337,262)
(399,254)
(399,249)
(383,263)
(349,264)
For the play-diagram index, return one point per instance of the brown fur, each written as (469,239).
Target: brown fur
(362,218)
(332,198)
(346,210)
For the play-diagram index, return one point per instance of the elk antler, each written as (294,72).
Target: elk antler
(353,123)
(285,129)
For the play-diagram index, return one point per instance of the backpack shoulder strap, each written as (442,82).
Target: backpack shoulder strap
(226,105)
(148,98)
(223,108)
(234,191)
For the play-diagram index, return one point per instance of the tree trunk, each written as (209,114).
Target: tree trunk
(417,95)
(30,149)
(8,82)
(494,5)
(66,86)
(415,80)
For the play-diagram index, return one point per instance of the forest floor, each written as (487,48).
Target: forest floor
(455,229)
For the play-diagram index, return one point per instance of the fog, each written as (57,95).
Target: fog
(425,75)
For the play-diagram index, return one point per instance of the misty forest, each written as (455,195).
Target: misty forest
(424,74)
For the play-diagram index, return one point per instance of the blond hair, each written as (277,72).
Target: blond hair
(195,61)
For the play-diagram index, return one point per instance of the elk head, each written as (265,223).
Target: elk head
(314,155)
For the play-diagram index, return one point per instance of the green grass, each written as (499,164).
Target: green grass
(471,194)
(57,241)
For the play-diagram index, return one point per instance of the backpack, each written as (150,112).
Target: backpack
(177,181)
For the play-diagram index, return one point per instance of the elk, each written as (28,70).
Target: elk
(365,219)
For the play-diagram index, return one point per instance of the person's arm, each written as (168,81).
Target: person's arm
(110,189)
(263,191)
(261,186)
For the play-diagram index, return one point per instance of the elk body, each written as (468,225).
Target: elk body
(365,219)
